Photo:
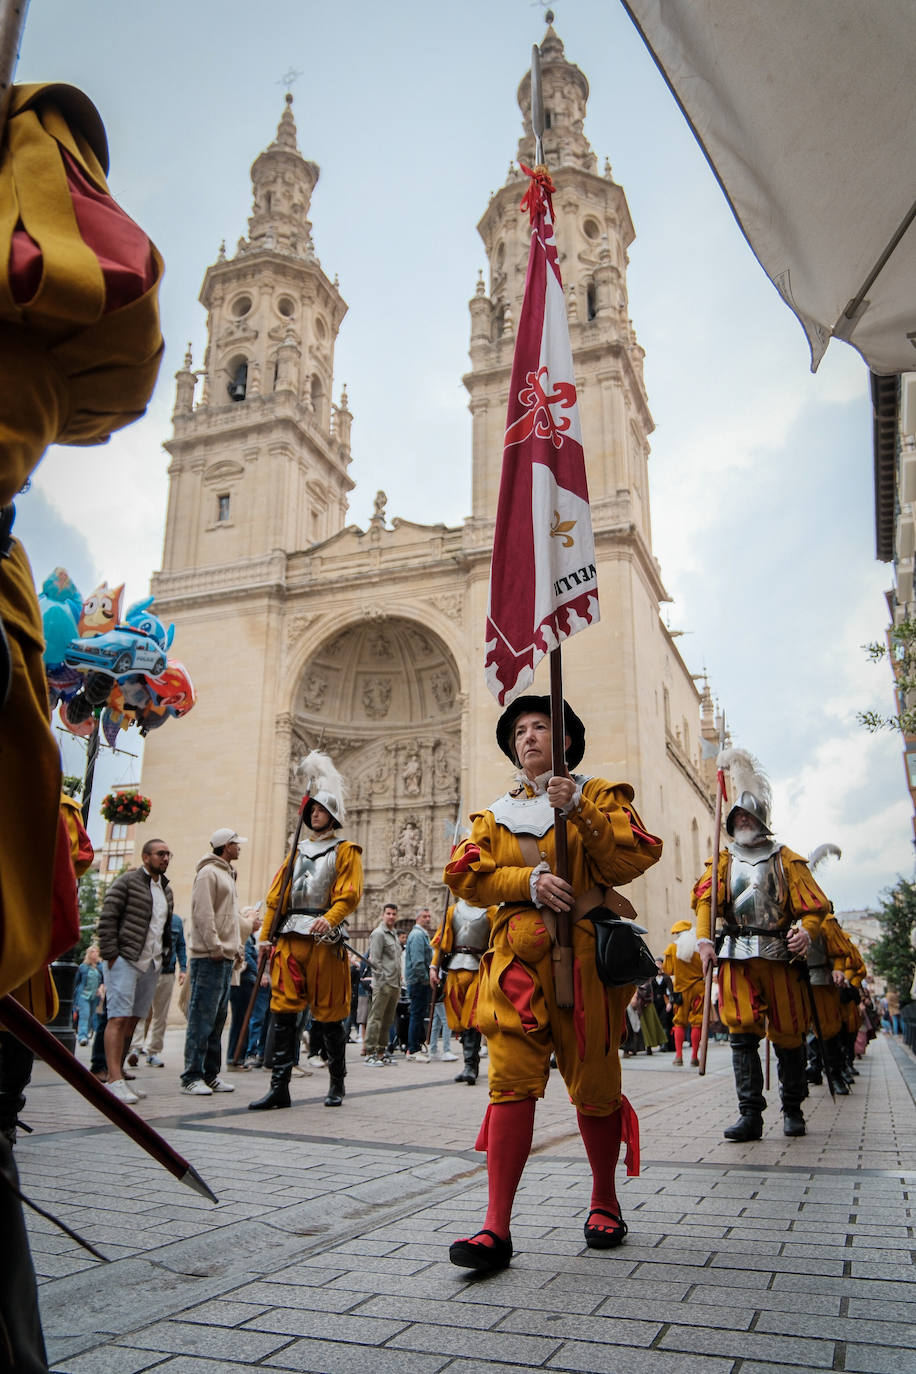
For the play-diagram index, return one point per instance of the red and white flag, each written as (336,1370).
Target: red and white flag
(542,574)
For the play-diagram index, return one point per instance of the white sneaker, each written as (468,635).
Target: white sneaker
(197,1088)
(155,1062)
(137,1092)
(217,1085)
(373,1061)
(122,1092)
(417,1058)
(317,1062)
(449,1058)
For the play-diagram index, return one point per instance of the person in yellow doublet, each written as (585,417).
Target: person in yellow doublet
(309,965)
(508,861)
(684,967)
(771,910)
(827,961)
(458,947)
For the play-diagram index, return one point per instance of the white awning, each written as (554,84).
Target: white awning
(806,111)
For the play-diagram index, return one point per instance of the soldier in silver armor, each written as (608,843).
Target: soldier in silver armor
(458,946)
(309,965)
(770,911)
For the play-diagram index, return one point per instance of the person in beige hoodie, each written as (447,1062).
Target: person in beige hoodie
(214,947)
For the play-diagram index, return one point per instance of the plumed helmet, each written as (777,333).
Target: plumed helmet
(520,707)
(749,785)
(324,786)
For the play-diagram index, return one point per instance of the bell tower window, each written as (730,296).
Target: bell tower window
(237,386)
(222,508)
(591,301)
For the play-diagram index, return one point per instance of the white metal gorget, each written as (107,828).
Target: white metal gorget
(524,815)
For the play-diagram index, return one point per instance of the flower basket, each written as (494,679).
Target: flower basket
(125,808)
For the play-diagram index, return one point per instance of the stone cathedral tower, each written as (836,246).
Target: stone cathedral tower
(303,630)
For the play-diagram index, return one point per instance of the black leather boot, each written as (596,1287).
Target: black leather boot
(749,1085)
(285,1023)
(335,1044)
(470,1045)
(814,1072)
(834,1057)
(793,1088)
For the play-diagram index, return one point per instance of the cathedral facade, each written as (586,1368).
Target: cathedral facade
(302,631)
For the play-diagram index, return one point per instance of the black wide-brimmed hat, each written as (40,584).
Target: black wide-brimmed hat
(521,706)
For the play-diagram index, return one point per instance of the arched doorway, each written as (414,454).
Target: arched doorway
(382,698)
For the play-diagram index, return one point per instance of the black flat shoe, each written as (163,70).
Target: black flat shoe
(486,1259)
(599,1237)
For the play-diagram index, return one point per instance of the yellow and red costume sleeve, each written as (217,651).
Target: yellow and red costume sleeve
(444,939)
(346,889)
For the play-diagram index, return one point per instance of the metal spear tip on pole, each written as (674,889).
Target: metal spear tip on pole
(537,105)
(193,1180)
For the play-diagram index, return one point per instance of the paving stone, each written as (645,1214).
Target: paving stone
(107,1359)
(816,1354)
(606,1330)
(765,1300)
(666,1309)
(185,1338)
(874,1359)
(889,1311)
(858,1329)
(596,1359)
(510,1348)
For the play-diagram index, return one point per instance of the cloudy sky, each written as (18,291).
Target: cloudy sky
(763,512)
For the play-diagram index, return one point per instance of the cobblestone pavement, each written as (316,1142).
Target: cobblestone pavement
(328,1251)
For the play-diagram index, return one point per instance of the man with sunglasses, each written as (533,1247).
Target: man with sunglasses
(135,936)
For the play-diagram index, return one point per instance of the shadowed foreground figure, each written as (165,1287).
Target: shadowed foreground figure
(507,863)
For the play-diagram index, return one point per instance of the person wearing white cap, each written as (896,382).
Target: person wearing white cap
(214,943)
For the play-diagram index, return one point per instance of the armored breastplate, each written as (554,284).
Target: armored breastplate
(757,897)
(471,930)
(313,877)
(525,815)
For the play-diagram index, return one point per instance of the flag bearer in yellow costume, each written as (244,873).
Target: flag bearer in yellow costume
(507,862)
(684,967)
(458,947)
(771,910)
(309,965)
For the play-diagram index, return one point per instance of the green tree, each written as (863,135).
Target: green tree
(900,650)
(893,955)
(91,892)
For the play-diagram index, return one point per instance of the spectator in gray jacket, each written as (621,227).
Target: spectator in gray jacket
(385,958)
(418,957)
(214,949)
(135,938)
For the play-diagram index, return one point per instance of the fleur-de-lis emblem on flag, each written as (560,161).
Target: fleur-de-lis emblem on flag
(560,529)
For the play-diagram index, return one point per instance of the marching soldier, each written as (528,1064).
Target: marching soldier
(458,946)
(508,860)
(772,910)
(683,965)
(309,965)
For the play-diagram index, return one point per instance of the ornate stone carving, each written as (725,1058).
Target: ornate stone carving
(298,626)
(379,644)
(314,691)
(412,776)
(409,847)
(443,688)
(451,604)
(377,697)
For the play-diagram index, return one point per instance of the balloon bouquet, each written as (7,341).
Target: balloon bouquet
(97,662)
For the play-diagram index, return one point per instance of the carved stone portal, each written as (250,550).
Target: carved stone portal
(395,735)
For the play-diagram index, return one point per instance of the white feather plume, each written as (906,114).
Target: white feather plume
(746,775)
(316,773)
(822,852)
